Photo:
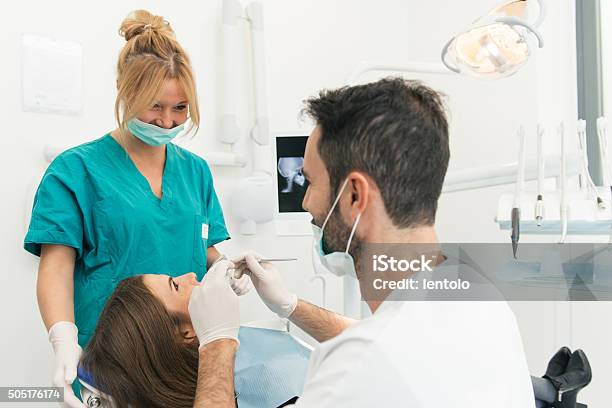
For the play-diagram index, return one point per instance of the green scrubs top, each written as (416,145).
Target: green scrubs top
(94,199)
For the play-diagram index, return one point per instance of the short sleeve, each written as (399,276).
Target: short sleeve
(56,216)
(217,231)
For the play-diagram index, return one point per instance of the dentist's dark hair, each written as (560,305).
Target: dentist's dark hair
(396,131)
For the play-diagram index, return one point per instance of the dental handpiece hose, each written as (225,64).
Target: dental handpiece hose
(563,187)
(602,133)
(520,182)
(539,208)
(587,184)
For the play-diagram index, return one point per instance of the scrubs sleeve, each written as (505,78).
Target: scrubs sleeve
(217,232)
(56,215)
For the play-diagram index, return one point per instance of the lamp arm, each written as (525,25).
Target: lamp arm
(444,61)
(542,15)
(412,68)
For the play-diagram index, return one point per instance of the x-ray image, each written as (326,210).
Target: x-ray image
(291,181)
(291,169)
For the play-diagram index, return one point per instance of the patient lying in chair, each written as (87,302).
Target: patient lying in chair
(144,351)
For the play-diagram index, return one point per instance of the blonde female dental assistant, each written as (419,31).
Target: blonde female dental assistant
(130,202)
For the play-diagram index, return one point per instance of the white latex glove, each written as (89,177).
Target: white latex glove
(213,306)
(268,283)
(240,285)
(64,340)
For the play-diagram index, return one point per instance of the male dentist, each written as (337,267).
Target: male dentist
(375,164)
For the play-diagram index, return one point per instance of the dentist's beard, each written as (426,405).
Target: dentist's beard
(336,236)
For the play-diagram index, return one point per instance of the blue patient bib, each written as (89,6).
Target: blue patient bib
(270,368)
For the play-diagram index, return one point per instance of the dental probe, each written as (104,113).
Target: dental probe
(238,274)
(222,257)
(270,260)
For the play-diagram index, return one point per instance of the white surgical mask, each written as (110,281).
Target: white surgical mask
(337,263)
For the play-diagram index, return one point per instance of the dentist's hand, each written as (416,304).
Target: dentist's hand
(268,283)
(64,340)
(213,306)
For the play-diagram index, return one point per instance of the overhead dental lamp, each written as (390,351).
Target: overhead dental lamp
(498,44)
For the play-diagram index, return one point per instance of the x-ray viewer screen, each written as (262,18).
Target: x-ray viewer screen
(291,181)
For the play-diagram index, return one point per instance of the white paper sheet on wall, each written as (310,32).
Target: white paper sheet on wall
(51,75)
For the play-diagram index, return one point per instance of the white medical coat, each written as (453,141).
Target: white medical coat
(434,354)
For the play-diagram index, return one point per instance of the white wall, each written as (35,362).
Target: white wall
(309,45)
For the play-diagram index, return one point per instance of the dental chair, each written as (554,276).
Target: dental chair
(91,396)
(567,373)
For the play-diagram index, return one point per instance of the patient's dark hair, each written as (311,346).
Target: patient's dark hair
(138,354)
(394,130)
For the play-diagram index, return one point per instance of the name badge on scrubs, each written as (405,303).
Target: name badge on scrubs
(204,231)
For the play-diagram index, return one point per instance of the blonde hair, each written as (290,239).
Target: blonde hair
(151,56)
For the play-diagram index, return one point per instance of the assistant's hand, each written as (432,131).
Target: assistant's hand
(268,283)
(240,285)
(213,306)
(64,340)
